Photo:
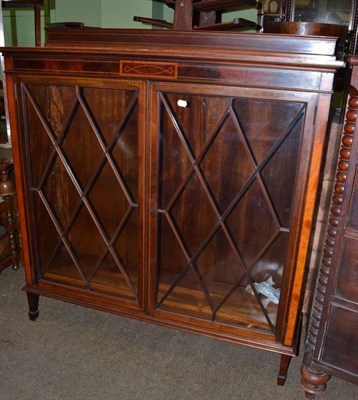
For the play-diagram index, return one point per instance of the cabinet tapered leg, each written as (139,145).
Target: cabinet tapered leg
(313,382)
(33,300)
(284,364)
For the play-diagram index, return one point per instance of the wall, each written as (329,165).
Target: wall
(19,27)
(19,23)
(87,11)
(120,13)
(105,13)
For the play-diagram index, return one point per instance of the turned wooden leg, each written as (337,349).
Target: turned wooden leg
(313,382)
(12,233)
(284,364)
(7,191)
(33,300)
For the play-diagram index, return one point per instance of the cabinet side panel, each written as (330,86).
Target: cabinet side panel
(347,279)
(319,127)
(340,348)
(352,222)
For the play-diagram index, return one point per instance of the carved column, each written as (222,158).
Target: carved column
(313,380)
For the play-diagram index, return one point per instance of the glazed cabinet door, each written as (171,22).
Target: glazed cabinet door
(82,149)
(229,172)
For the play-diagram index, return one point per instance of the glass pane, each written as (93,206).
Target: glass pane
(172,263)
(242,308)
(171,177)
(129,237)
(193,215)
(110,205)
(126,154)
(198,118)
(264,123)
(112,113)
(227,148)
(80,136)
(60,193)
(252,223)
(282,168)
(63,269)
(48,237)
(188,297)
(40,144)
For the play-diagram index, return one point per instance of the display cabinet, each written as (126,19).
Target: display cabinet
(174,184)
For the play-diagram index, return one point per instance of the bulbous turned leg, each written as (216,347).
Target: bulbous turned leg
(313,382)
(33,300)
(284,364)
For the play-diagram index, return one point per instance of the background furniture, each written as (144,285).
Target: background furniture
(332,342)
(9,241)
(36,4)
(203,15)
(344,13)
(171,184)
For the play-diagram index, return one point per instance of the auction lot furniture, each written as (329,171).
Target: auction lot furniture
(171,176)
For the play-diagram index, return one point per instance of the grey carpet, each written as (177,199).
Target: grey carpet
(74,353)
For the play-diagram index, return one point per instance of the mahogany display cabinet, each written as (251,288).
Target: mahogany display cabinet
(172,176)
(332,340)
